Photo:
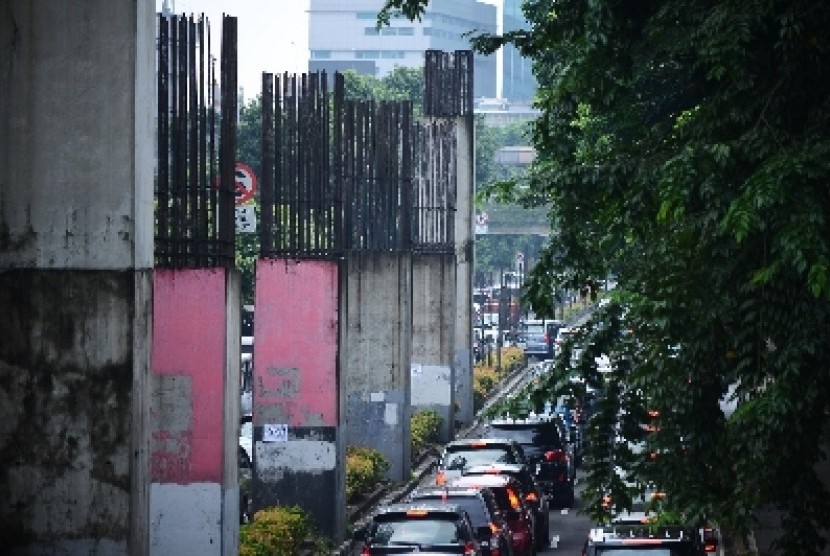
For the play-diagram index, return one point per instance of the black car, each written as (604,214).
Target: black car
(545,446)
(459,454)
(419,527)
(491,529)
(532,490)
(637,539)
(537,337)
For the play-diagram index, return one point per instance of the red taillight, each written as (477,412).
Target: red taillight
(365,551)
(531,497)
(556,456)
(469,549)
(515,503)
(710,547)
(440,479)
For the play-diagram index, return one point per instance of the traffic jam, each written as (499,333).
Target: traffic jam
(514,487)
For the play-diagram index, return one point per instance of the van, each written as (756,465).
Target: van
(538,338)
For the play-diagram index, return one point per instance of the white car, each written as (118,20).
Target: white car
(246,436)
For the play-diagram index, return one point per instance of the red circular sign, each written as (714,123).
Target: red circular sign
(245,183)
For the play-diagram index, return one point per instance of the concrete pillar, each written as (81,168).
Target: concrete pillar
(433,336)
(76,239)
(376,354)
(194,412)
(298,448)
(464,241)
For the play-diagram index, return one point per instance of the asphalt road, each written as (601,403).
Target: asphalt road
(569,528)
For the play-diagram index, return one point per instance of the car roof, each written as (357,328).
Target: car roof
(496,468)
(535,419)
(449,489)
(480,442)
(485,481)
(629,535)
(419,505)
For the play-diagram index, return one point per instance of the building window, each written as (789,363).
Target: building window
(407,31)
(392,54)
(371,31)
(367,54)
(321,54)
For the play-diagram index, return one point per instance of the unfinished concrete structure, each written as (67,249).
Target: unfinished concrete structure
(101,418)
(76,260)
(352,193)
(194,383)
(440,373)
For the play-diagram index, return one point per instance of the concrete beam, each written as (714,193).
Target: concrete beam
(298,448)
(376,364)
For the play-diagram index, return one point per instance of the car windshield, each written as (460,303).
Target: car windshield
(402,530)
(464,456)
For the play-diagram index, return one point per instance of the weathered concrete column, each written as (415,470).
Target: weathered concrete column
(433,336)
(464,240)
(298,447)
(376,354)
(194,412)
(76,224)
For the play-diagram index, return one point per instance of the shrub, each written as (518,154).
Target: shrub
(424,426)
(511,357)
(365,468)
(484,380)
(276,531)
(485,377)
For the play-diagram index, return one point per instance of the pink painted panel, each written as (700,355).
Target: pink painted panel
(295,341)
(188,359)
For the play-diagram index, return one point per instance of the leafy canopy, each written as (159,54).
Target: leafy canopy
(683,147)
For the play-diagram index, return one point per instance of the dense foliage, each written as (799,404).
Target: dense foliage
(365,469)
(277,531)
(425,427)
(683,146)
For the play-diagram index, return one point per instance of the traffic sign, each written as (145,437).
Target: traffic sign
(245,183)
(245,219)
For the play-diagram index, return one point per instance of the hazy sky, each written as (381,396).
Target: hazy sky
(272,34)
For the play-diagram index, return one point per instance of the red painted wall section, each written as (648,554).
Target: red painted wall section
(188,361)
(295,342)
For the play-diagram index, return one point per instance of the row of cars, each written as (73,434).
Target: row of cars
(491,495)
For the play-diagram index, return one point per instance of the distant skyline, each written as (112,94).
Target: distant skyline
(272,34)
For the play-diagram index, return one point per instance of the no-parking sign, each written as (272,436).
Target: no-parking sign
(245,183)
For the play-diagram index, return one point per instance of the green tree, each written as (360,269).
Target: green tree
(249,151)
(400,84)
(683,146)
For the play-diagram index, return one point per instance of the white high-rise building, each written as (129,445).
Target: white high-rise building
(518,82)
(343,35)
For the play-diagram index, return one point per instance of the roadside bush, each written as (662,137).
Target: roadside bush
(485,377)
(424,425)
(276,531)
(511,358)
(365,469)
(484,380)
